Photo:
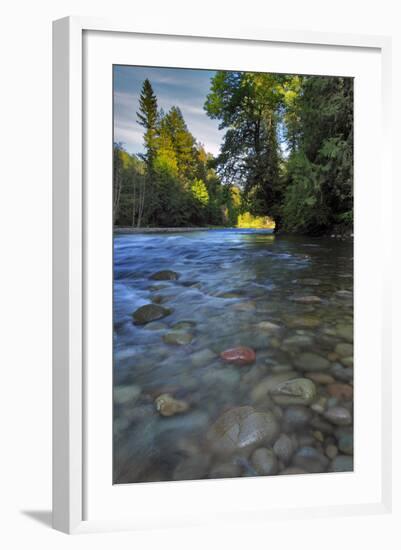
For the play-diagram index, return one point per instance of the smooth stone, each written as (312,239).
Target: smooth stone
(331,451)
(194,467)
(241,429)
(150,312)
(332,356)
(343,392)
(297,340)
(306,299)
(346,294)
(225,470)
(178,338)
(311,362)
(262,390)
(183,325)
(299,391)
(223,377)
(165,275)
(303,322)
(244,306)
(155,288)
(345,439)
(268,326)
(338,416)
(311,460)
(293,470)
(284,448)
(239,356)
(342,463)
(166,405)
(202,357)
(345,374)
(345,331)
(156,325)
(318,436)
(264,461)
(322,425)
(296,417)
(347,361)
(320,377)
(278,369)
(344,349)
(126,394)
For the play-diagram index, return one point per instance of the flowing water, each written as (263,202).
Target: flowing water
(288,299)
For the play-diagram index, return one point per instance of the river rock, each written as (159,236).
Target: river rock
(306,299)
(150,312)
(268,326)
(194,467)
(284,448)
(166,405)
(178,338)
(225,470)
(165,275)
(239,356)
(311,362)
(339,416)
(320,378)
(241,429)
(345,294)
(342,463)
(123,395)
(345,438)
(345,331)
(296,417)
(264,461)
(183,325)
(244,306)
(343,392)
(156,325)
(202,357)
(345,374)
(299,391)
(347,361)
(293,470)
(304,321)
(311,460)
(344,349)
(331,451)
(263,389)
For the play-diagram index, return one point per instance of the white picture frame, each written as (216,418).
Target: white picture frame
(71,422)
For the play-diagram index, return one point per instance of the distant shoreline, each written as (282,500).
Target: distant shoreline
(159,229)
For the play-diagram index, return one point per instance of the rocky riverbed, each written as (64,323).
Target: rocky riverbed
(233,355)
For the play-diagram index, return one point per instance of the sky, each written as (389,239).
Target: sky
(184,88)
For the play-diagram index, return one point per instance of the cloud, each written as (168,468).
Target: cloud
(184,88)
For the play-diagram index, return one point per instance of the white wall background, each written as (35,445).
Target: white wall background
(25,217)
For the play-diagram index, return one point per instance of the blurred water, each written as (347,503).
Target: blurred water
(263,274)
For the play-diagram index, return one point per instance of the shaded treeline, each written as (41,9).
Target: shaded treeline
(287,154)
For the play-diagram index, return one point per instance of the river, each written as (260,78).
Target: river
(288,299)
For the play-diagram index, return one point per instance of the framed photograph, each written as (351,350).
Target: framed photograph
(220,330)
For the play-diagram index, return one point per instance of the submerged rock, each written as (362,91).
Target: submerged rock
(126,394)
(166,405)
(340,391)
(311,362)
(299,391)
(311,460)
(183,325)
(306,299)
(150,312)
(305,321)
(342,463)
(296,417)
(264,461)
(320,377)
(178,338)
(239,356)
(165,275)
(202,357)
(344,350)
(264,387)
(268,326)
(284,448)
(241,429)
(339,416)
(345,331)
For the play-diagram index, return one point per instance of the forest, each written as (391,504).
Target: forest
(286,159)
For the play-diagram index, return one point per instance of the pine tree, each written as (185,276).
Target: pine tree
(148,118)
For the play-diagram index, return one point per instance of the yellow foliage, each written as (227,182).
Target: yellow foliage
(247,221)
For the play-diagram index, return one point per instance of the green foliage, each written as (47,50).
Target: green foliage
(287,156)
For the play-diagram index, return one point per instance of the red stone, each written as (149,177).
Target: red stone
(340,391)
(239,356)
